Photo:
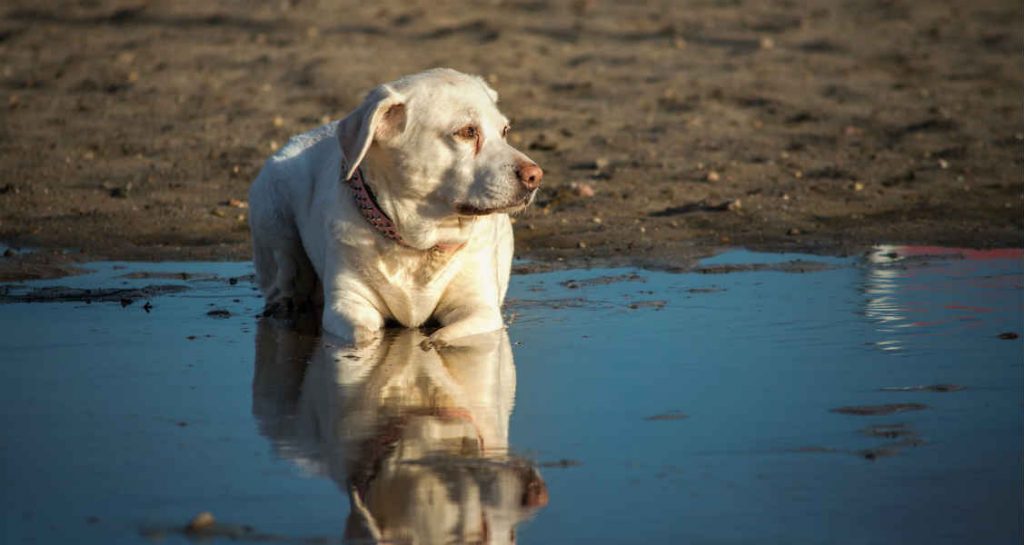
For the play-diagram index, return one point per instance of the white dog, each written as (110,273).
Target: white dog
(400,210)
(418,439)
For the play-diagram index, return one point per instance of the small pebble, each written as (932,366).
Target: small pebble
(202,521)
(793,231)
(713,176)
(582,189)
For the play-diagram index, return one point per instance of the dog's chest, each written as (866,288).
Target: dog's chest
(412,289)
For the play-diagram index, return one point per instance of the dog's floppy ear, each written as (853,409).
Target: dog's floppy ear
(380,117)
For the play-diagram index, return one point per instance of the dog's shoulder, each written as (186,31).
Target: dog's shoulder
(310,142)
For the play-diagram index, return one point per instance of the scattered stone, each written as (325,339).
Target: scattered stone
(235,203)
(713,176)
(542,143)
(581,245)
(217,212)
(875,410)
(201,522)
(767,43)
(858,186)
(121,192)
(700,206)
(278,121)
(793,231)
(582,189)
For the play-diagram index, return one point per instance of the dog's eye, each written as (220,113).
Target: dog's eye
(468,132)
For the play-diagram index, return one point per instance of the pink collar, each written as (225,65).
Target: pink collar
(366,202)
(368,207)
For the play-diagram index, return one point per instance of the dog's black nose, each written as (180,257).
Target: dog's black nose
(529,175)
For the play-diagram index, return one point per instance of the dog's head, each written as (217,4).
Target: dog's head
(438,139)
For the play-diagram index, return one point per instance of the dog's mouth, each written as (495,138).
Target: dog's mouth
(514,208)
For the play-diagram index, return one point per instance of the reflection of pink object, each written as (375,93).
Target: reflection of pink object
(916,287)
(968,308)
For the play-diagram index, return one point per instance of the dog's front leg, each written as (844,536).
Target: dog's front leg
(471,318)
(350,317)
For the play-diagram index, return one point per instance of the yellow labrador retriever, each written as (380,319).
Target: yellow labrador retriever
(419,440)
(400,210)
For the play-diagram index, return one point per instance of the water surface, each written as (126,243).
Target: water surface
(621,406)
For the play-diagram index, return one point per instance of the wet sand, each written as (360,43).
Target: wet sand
(132,130)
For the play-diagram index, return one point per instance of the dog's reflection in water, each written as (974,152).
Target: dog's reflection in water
(418,439)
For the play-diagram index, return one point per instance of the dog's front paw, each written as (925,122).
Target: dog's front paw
(433,343)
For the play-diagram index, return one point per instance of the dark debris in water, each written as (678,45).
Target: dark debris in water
(562,464)
(879,452)
(572,302)
(62,294)
(794,266)
(815,449)
(712,289)
(656,305)
(925,388)
(889,431)
(219,313)
(670,415)
(602,280)
(874,410)
(1008,336)
(890,449)
(169,276)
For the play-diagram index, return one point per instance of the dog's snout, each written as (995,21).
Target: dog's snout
(529,175)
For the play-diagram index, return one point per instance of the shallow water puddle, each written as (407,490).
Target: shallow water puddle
(867,400)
